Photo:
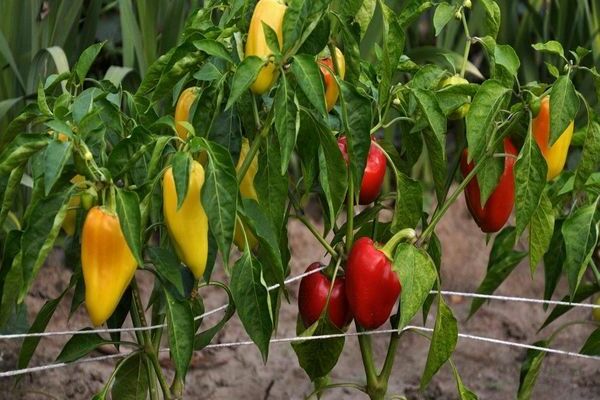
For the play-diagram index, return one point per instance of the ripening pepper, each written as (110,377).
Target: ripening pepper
(332,91)
(312,297)
(374,171)
(555,155)
(107,262)
(270,12)
(188,225)
(494,214)
(247,191)
(372,287)
(182,110)
(70,220)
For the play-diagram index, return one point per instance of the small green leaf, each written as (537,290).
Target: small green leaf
(79,346)
(180,323)
(443,341)
(213,48)
(131,380)
(530,370)
(130,219)
(550,47)
(86,59)
(564,105)
(287,121)
(181,175)
(56,155)
(204,338)
(541,228)
(444,13)
(244,77)
(308,76)
(409,203)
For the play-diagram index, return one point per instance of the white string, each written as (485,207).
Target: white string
(518,299)
(309,338)
(142,328)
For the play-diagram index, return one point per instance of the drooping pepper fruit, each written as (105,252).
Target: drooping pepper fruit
(494,214)
(188,225)
(372,287)
(332,91)
(555,155)
(374,171)
(312,297)
(247,191)
(182,110)
(107,262)
(270,12)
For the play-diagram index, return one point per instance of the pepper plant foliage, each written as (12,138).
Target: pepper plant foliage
(120,141)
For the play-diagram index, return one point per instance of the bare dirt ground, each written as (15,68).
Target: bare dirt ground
(492,371)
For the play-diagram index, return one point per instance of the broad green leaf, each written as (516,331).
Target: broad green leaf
(180,323)
(550,47)
(172,274)
(580,233)
(409,203)
(333,174)
(213,48)
(131,380)
(79,346)
(244,77)
(9,192)
(252,301)
(492,17)
(270,184)
(128,212)
(56,155)
(417,273)
(356,117)
(204,338)
(503,260)
(287,121)
(271,39)
(364,15)
(444,13)
(530,180)
(308,76)
(530,370)
(20,150)
(481,117)
(181,163)
(432,111)
(540,232)
(85,61)
(591,347)
(318,357)
(293,23)
(564,105)
(590,157)
(443,342)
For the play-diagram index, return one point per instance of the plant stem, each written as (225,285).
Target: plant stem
(388,364)
(336,385)
(366,352)
(467,46)
(316,234)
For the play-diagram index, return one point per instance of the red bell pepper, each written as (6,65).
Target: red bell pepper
(372,287)
(312,297)
(374,171)
(494,214)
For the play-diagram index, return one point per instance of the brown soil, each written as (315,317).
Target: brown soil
(492,371)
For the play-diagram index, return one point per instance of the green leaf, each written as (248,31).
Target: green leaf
(564,105)
(530,180)
(79,346)
(181,175)
(432,111)
(40,234)
(463,392)
(356,117)
(252,301)
(116,320)
(213,48)
(244,77)
(591,347)
(20,150)
(492,17)
(10,191)
(583,292)
(287,121)
(481,117)
(220,194)
(308,75)
(503,260)
(39,325)
(333,174)
(56,155)
(364,15)
(550,47)
(180,323)
(204,338)
(271,38)
(293,23)
(553,261)
(172,274)
(437,158)
(530,370)
(418,274)
(318,357)
(86,59)
(409,203)
(444,13)
(590,157)
(443,342)
(131,380)
(130,219)
(581,236)
(271,184)
(541,228)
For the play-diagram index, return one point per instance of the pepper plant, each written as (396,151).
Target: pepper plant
(261,109)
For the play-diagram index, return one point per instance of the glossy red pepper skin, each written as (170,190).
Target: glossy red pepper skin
(492,217)
(372,287)
(374,171)
(312,297)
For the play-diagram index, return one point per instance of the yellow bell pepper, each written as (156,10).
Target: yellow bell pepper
(182,110)
(107,262)
(248,191)
(270,12)
(188,225)
(332,91)
(555,155)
